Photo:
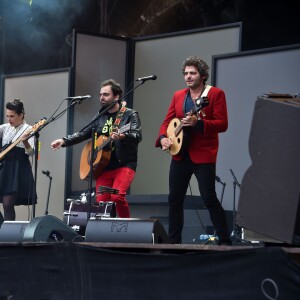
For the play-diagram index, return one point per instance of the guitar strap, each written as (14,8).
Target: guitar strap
(206,90)
(204,94)
(119,116)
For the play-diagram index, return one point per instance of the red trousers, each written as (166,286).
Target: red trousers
(119,179)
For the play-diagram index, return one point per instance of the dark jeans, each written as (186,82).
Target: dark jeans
(179,178)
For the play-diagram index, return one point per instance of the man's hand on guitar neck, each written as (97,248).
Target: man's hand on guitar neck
(117,136)
(189,120)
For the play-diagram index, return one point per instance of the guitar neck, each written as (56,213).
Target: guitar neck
(6,150)
(104,144)
(32,130)
(178,129)
(180,126)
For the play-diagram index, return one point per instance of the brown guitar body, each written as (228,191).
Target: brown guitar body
(101,161)
(179,137)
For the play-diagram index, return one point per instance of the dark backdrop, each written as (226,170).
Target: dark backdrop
(37,35)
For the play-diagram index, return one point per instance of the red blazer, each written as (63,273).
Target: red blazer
(204,146)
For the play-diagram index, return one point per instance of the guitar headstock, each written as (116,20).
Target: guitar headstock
(123,129)
(36,126)
(201,103)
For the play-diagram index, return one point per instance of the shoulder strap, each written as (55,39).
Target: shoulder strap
(206,90)
(119,116)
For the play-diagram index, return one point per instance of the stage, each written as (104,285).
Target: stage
(81,270)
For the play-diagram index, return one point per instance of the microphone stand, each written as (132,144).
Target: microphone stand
(235,184)
(93,148)
(36,146)
(94,124)
(50,181)
(36,155)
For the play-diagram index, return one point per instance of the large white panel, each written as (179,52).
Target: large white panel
(97,59)
(163,56)
(42,94)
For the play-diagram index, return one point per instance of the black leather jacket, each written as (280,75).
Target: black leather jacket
(127,149)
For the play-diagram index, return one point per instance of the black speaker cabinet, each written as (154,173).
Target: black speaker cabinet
(40,229)
(123,230)
(49,229)
(12,231)
(270,189)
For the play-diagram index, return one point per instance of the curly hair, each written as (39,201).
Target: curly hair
(16,105)
(115,87)
(200,64)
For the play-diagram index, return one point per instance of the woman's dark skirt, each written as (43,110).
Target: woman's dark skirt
(16,177)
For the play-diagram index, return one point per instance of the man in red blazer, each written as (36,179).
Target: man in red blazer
(198,113)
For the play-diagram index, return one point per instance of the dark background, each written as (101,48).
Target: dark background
(37,34)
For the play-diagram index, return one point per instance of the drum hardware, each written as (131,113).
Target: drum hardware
(76,228)
(83,198)
(109,210)
(77,214)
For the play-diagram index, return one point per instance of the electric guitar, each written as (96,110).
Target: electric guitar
(179,135)
(102,156)
(10,146)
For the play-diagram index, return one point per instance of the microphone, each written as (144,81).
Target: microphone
(79,97)
(151,77)
(47,173)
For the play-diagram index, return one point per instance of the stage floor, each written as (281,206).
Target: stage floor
(80,270)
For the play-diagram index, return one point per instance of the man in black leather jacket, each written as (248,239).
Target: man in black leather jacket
(119,128)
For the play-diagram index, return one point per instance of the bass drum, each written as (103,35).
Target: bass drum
(76,216)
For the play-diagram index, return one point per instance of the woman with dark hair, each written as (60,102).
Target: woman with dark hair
(16,178)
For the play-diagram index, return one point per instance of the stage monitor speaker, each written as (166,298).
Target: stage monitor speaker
(270,190)
(49,228)
(12,231)
(125,230)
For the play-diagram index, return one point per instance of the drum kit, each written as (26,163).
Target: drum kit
(79,211)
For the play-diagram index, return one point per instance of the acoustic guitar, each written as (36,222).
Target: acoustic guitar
(180,135)
(102,155)
(10,146)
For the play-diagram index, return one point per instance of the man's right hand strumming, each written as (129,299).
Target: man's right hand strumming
(165,144)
